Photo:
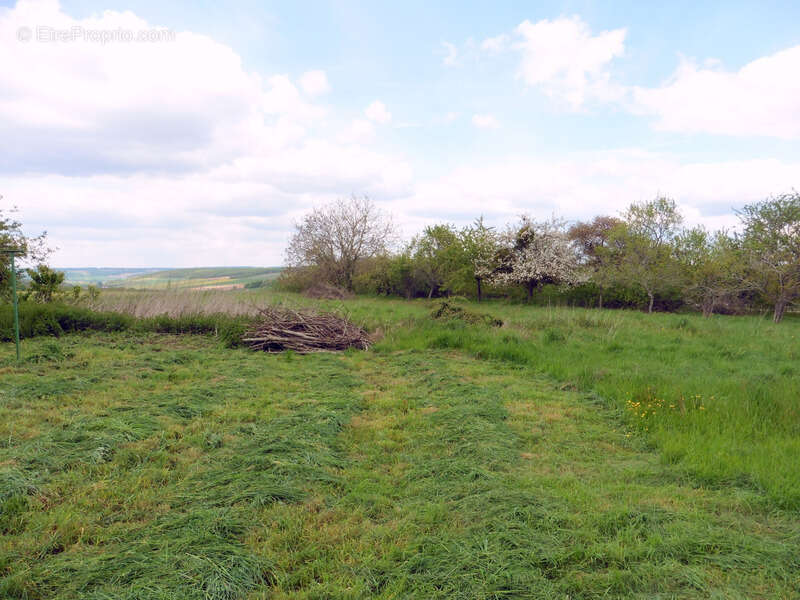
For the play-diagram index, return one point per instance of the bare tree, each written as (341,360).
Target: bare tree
(334,238)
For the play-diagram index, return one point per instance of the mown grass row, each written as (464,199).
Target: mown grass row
(143,466)
(133,466)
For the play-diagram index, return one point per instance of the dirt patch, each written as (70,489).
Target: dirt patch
(326,291)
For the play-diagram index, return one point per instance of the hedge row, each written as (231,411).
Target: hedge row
(57,319)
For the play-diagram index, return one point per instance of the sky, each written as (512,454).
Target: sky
(179,134)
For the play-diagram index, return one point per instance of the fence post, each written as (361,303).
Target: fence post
(12,252)
(16,306)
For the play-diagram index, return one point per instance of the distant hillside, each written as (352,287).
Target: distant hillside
(202,277)
(100,275)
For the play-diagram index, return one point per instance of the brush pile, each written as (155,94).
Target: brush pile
(277,329)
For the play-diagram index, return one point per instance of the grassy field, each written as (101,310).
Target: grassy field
(569,453)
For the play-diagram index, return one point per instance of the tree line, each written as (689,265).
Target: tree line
(645,257)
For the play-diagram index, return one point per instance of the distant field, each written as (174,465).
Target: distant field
(203,277)
(101,275)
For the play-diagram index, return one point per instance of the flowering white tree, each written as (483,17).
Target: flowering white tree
(535,253)
(480,246)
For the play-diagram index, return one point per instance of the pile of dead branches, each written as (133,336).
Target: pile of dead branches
(277,329)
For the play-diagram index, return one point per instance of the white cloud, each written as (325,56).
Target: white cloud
(172,153)
(495,45)
(586,184)
(378,113)
(359,131)
(173,104)
(283,98)
(485,121)
(451,57)
(762,98)
(567,62)
(243,211)
(315,83)
(168,153)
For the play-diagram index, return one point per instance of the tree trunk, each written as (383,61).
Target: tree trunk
(600,301)
(430,293)
(652,297)
(478,280)
(708,309)
(780,307)
(530,290)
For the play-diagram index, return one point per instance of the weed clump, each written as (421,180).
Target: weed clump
(449,311)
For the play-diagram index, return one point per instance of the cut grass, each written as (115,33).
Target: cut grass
(717,396)
(154,466)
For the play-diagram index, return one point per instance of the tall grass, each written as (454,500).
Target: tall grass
(718,396)
(57,319)
(151,303)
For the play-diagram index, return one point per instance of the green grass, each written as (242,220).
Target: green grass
(717,396)
(451,461)
(54,319)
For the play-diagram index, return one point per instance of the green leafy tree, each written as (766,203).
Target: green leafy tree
(45,283)
(713,270)
(771,242)
(640,251)
(438,258)
(34,249)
